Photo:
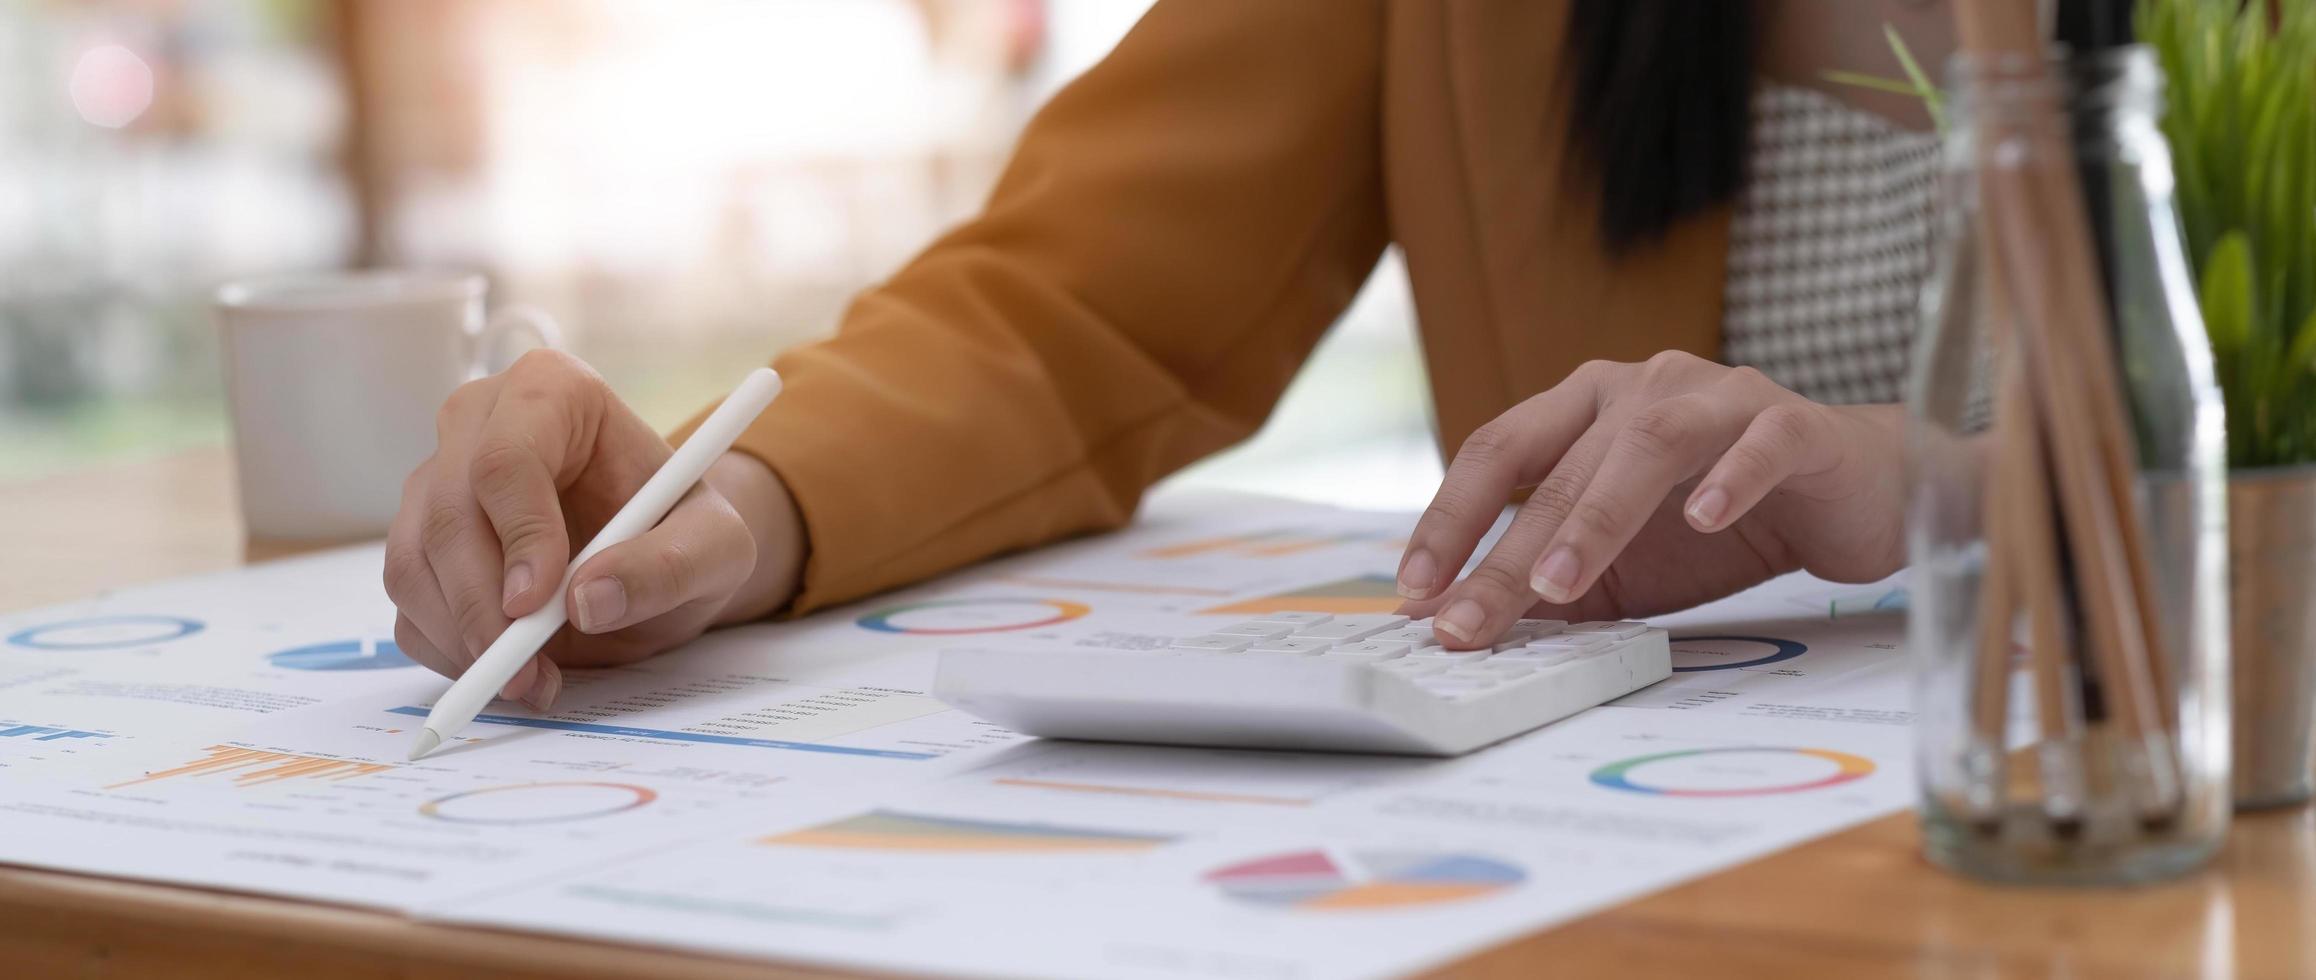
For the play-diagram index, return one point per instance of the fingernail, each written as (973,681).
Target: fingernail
(1461,621)
(1708,508)
(1555,576)
(518,582)
(1416,574)
(601,603)
(541,697)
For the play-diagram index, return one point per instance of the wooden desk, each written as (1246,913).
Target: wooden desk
(1861,903)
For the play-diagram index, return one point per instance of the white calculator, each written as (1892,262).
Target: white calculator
(1309,681)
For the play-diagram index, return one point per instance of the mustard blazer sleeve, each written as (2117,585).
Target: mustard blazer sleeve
(1173,234)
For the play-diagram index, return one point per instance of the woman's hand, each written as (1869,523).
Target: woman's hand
(1657,486)
(530,464)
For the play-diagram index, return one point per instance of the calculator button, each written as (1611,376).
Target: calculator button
(1214,643)
(1297,620)
(1536,656)
(1569,641)
(1260,631)
(1539,627)
(1369,650)
(1298,645)
(1618,631)
(1406,634)
(1353,627)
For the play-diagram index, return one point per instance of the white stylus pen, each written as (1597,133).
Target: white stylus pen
(474,689)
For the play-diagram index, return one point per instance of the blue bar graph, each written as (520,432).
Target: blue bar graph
(43,733)
(660,733)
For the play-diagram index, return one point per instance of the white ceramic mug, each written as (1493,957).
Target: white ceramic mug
(334,380)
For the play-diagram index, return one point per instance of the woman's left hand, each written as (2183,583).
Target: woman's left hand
(1657,486)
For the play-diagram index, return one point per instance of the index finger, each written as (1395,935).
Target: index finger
(1517,449)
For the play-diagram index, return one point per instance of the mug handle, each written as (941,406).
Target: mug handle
(493,353)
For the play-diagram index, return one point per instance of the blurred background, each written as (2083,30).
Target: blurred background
(689,185)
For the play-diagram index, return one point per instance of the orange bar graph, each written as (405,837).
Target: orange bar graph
(1262,544)
(256,767)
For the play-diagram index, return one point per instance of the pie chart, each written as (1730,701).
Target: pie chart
(342,655)
(1320,880)
(529,803)
(953,617)
(105,632)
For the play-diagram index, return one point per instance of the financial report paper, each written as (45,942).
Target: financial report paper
(790,791)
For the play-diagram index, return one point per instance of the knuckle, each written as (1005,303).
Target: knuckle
(1496,577)
(677,565)
(549,364)
(1752,461)
(1749,376)
(498,465)
(1786,425)
(464,401)
(406,574)
(1656,433)
(445,520)
(1595,369)
(1556,496)
(1664,367)
(1591,518)
(1485,445)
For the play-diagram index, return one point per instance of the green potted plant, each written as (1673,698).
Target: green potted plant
(2241,121)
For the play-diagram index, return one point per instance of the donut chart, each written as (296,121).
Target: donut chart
(105,632)
(958,617)
(1701,654)
(1321,880)
(342,655)
(537,803)
(1733,771)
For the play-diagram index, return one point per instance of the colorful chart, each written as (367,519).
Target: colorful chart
(256,767)
(1695,653)
(1364,594)
(106,632)
(1328,881)
(342,655)
(43,733)
(955,617)
(703,738)
(536,803)
(1263,544)
(890,830)
(1735,771)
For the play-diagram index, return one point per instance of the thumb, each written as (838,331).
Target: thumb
(700,554)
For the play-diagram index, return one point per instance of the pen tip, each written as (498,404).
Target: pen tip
(427,740)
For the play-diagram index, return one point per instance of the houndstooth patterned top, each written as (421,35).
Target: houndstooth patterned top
(1829,248)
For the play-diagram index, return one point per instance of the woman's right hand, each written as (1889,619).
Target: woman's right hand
(530,463)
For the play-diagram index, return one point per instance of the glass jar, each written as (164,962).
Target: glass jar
(2033,765)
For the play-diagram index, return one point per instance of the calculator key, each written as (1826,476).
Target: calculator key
(1260,631)
(1214,643)
(1409,635)
(1570,641)
(1353,627)
(1620,631)
(1297,620)
(1538,657)
(1539,627)
(1306,646)
(1368,650)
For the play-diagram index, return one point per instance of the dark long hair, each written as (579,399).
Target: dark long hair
(1661,95)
